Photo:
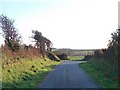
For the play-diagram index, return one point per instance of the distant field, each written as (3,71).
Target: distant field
(74,52)
(76,57)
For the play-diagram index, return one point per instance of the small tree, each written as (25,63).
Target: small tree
(48,44)
(42,42)
(12,38)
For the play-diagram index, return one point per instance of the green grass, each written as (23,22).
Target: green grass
(26,73)
(76,57)
(102,73)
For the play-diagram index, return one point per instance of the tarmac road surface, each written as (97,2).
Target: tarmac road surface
(68,75)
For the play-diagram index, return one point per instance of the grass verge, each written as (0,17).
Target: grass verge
(26,73)
(101,72)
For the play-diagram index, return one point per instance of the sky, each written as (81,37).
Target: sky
(75,24)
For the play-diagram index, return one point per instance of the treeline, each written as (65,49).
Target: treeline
(13,46)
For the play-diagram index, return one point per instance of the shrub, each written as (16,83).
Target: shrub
(53,57)
(87,57)
(63,56)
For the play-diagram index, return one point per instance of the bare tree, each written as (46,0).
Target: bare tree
(12,38)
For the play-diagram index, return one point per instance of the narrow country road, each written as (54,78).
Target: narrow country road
(68,75)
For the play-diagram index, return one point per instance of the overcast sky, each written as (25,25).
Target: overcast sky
(76,24)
